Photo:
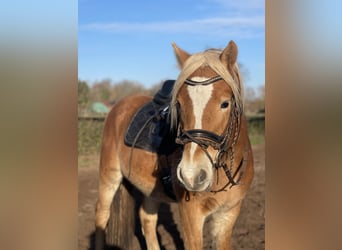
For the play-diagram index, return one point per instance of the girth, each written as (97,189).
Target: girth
(149,130)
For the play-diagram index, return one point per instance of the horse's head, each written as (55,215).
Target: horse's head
(206,108)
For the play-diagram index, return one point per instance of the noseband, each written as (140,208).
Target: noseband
(224,143)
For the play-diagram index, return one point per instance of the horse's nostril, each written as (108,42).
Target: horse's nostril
(202,176)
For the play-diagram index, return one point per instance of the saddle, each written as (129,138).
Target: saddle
(150,125)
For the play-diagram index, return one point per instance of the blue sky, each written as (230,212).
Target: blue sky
(131,40)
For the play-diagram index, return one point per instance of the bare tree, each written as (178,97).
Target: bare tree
(126,88)
(100,91)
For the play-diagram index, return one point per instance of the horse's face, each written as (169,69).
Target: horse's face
(204,108)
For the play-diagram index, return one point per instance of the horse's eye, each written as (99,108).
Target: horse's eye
(224,105)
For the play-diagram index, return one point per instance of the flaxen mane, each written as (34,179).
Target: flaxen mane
(207,58)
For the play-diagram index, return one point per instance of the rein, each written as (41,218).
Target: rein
(224,143)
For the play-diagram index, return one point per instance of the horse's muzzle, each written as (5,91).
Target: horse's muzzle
(194,179)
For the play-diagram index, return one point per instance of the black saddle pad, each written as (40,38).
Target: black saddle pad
(150,124)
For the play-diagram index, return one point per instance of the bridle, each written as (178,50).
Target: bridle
(224,143)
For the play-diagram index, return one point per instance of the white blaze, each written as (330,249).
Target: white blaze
(199,95)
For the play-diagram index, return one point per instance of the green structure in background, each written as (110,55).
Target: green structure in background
(100,108)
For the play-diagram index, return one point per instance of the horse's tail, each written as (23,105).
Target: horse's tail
(121,224)
(117,231)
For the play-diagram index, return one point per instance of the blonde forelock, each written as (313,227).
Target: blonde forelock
(209,58)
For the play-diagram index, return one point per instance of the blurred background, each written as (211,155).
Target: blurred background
(40,67)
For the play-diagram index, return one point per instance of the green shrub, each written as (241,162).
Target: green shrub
(89,136)
(256,130)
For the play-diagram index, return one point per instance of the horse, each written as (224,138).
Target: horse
(210,163)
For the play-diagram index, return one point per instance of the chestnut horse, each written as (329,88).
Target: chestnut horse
(214,168)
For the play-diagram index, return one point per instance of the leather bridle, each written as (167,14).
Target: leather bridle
(224,143)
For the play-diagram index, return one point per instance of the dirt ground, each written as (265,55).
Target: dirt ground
(249,231)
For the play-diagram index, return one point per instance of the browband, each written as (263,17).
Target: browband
(206,82)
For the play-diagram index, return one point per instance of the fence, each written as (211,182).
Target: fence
(90,132)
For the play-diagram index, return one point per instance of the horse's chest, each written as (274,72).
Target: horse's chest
(218,203)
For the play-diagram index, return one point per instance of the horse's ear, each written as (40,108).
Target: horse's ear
(229,55)
(181,55)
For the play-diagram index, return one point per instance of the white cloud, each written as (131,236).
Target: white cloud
(239,26)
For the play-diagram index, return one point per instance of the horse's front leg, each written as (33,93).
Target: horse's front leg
(148,214)
(221,227)
(192,220)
